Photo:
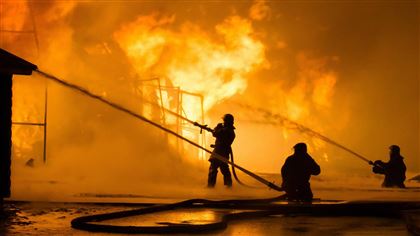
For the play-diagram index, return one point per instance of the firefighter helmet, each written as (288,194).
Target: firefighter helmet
(228,118)
(394,149)
(301,147)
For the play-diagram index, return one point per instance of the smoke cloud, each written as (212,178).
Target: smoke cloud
(346,70)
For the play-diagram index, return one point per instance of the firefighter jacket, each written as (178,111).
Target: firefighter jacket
(394,171)
(224,138)
(297,171)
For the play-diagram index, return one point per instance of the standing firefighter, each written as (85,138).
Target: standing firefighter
(394,169)
(296,172)
(224,134)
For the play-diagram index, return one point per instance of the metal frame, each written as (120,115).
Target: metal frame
(43,124)
(180,125)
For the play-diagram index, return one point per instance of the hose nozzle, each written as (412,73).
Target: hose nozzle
(205,127)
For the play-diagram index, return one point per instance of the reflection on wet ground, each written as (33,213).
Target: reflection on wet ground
(307,225)
(22,218)
(179,216)
(54,219)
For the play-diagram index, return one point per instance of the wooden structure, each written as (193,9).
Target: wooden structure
(9,65)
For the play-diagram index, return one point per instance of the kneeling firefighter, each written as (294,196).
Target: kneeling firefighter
(394,169)
(224,134)
(296,172)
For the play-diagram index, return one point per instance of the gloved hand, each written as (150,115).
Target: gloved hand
(219,126)
(378,167)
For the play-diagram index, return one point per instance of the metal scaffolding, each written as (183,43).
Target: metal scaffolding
(176,96)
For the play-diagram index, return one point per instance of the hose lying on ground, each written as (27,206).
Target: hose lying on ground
(236,176)
(259,207)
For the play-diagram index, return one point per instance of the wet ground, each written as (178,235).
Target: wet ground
(37,217)
(53,218)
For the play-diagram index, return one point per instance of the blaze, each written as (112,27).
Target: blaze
(213,65)
(206,65)
(313,92)
(12,18)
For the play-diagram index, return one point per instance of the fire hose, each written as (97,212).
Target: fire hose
(140,117)
(234,173)
(205,127)
(251,209)
(261,207)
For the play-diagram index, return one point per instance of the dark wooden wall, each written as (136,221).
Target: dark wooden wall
(5,133)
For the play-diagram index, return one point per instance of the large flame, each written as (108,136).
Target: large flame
(12,18)
(314,88)
(214,66)
(313,92)
(210,64)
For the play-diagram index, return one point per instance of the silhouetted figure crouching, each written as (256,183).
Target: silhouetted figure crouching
(224,134)
(296,172)
(394,169)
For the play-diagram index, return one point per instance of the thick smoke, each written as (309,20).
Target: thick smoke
(349,71)
(366,58)
(91,148)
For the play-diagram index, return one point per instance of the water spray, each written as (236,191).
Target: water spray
(140,117)
(282,120)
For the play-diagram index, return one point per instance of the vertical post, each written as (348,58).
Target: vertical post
(178,120)
(203,135)
(181,150)
(161,102)
(45,123)
(5,133)
(162,108)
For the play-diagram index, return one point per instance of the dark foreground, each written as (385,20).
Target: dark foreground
(37,218)
(52,215)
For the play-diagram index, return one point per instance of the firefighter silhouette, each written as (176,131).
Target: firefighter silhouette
(224,134)
(394,169)
(296,172)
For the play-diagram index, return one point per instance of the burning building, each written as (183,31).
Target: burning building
(330,74)
(201,60)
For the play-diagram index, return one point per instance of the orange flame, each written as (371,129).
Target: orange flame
(312,92)
(12,18)
(213,66)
